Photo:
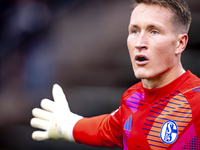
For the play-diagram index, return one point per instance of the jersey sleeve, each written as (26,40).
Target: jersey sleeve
(101,131)
(194,101)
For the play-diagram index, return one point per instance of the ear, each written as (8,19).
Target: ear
(182,43)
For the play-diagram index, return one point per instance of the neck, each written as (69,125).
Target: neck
(162,79)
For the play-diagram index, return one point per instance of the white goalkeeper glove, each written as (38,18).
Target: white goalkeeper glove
(55,118)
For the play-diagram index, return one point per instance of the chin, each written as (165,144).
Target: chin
(141,75)
(144,74)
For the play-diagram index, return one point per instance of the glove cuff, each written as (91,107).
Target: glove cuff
(66,130)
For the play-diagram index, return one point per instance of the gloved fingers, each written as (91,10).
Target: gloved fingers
(39,135)
(39,123)
(42,114)
(48,105)
(59,97)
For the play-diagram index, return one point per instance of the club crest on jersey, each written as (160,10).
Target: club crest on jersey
(169,132)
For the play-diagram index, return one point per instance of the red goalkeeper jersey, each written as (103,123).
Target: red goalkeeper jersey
(150,119)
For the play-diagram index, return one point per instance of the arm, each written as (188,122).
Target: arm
(58,122)
(102,131)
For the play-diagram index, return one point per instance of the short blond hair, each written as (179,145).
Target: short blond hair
(182,14)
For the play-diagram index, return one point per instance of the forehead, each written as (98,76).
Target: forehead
(153,14)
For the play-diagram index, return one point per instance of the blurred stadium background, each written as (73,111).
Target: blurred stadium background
(79,44)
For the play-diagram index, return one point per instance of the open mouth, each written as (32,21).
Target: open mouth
(141,59)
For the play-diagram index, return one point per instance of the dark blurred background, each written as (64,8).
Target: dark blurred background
(79,44)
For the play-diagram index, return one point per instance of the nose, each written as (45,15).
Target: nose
(141,41)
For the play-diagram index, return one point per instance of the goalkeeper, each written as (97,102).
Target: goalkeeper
(160,112)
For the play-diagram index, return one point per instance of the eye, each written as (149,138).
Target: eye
(134,31)
(154,32)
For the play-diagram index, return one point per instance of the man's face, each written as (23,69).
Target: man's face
(152,41)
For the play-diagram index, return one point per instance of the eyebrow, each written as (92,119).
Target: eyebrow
(149,26)
(132,25)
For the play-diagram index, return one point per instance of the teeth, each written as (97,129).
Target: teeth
(142,58)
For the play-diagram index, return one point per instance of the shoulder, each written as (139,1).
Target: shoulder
(135,88)
(191,88)
(191,91)
(190,83)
